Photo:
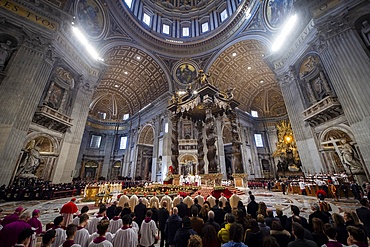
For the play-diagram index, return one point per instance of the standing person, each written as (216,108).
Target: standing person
(71,232)
(182,208)
(223,234)
(24,238)
(356,237)
(236,236)
(183,234)
(234,199)
(163,215)
(196,222)
(48,238)
(12,217)
(168,200)
(35,222)
(76,220)
(176,200)
(211,222)
(123,199)
(9,234)
(111,210)
(209,237)
(253,235)
(212,200)
(282,217)
(172,225)
(140,212)
(318,234)
(364,215)
(82,234)
(317,214)
(148,231)
(200,199)
(219,213)
(60,236)
(331,234)
(300,241)
(252,207)
(126,236)
(222,199)
(101,241)
(126,210)
(98,217)
(68,210)
(154,201)
(134,200)
(116,222)
(281,235)
(189,202)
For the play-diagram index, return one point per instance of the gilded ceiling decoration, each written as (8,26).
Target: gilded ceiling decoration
(132,81)
(241,66)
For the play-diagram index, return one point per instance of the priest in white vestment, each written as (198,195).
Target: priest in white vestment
(200,199)
(123,199)
(167,199)
(134,200)
(223,199)
(126,236)
(212,200)
(145,201)
(176,200)
(154,201)
(188,201)
(234,200)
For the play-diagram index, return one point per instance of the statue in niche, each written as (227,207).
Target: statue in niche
(365,32)
(350,157)
(30,160)
(55,97)
(6,51)
(318,87)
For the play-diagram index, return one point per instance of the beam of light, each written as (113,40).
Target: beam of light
(91,50)
(288,27)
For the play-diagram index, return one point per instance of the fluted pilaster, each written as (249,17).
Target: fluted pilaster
(347,64)
(20,93)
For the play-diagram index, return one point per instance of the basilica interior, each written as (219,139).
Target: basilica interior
(155,89)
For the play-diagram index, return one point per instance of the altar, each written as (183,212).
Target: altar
(206,107)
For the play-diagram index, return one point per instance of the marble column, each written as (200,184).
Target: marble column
(347,64)
(200,143)
(303,134)
(67,162)
(20,93)
(175,143)
(154,171)
(108,157)
(220,146)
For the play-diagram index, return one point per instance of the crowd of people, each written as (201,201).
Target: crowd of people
(182,222)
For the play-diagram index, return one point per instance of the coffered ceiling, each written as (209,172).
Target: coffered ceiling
(134,79)
(241,66)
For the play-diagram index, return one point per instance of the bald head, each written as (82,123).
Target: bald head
(175,210)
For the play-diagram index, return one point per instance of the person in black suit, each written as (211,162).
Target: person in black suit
(317,214)
(183,208)
(252,207)
(163,215)
(219,212)
(111,210)
(140,212)
(364,214)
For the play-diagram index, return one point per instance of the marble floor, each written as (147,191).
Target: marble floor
(50,209)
